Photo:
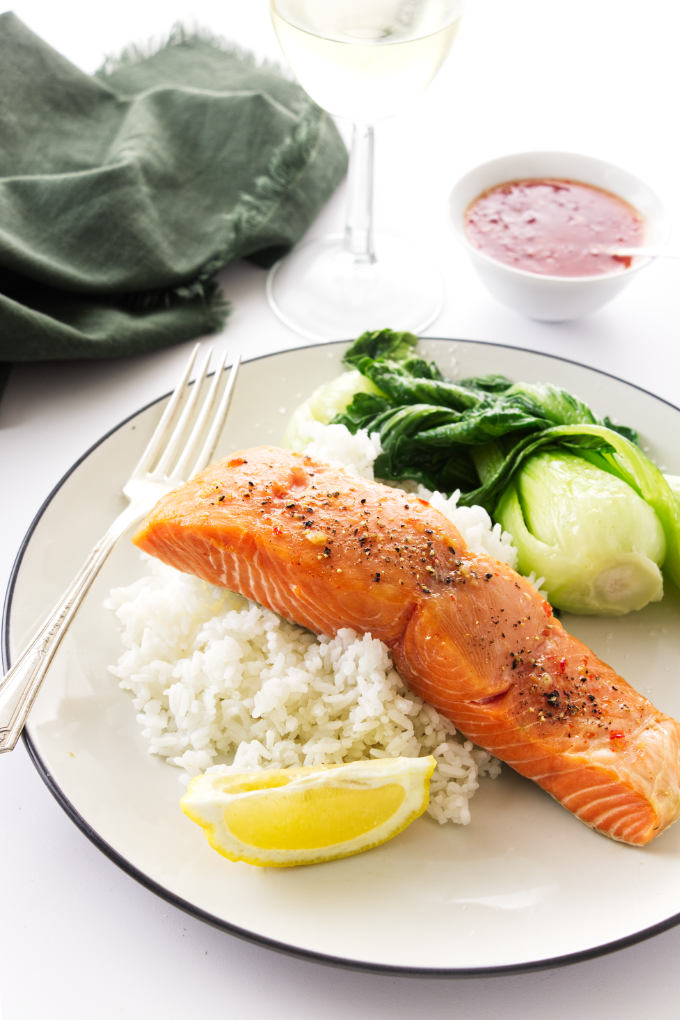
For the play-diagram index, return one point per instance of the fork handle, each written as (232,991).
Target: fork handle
(21,683)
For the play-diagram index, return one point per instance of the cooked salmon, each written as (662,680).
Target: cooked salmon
(328,550)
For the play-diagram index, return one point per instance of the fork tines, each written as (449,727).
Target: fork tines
(186,435)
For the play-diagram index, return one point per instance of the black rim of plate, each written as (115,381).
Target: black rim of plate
(177,901)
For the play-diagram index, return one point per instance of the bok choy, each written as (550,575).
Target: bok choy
(588,510)
(559,509)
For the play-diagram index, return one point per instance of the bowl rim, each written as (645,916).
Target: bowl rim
(456,209)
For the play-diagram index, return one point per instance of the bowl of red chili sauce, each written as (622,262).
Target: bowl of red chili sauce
(544,229)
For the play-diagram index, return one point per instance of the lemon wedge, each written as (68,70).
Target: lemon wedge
(286,817)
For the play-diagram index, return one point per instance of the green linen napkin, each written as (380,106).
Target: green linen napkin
(122,194)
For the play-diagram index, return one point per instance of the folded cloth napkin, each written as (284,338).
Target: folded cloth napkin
(122,194)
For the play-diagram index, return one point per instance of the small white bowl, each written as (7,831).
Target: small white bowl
(555,298)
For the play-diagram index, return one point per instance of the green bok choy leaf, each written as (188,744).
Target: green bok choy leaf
(588,510)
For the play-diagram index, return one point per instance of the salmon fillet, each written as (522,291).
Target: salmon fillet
(328,550)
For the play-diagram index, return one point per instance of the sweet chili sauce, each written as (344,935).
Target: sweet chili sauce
(554,227)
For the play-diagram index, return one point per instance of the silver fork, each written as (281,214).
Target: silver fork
(182,444)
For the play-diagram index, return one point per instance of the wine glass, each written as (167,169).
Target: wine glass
(362,60)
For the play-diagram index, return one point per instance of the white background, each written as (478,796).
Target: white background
(78,938)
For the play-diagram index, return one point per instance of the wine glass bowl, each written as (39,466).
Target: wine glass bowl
(363,60)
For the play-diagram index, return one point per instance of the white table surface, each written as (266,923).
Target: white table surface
(78,937)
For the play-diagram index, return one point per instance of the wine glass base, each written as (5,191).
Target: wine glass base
(323,292)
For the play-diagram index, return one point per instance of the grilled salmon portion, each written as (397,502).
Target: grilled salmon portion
(328,550)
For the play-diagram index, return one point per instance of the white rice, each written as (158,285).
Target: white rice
(218,681)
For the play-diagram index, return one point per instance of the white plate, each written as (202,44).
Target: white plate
(524,885)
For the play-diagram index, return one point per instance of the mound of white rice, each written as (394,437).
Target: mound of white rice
(220,682)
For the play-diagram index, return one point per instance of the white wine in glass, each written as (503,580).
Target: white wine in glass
(363,60)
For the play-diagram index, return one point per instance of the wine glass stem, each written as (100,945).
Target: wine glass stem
(359,223)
